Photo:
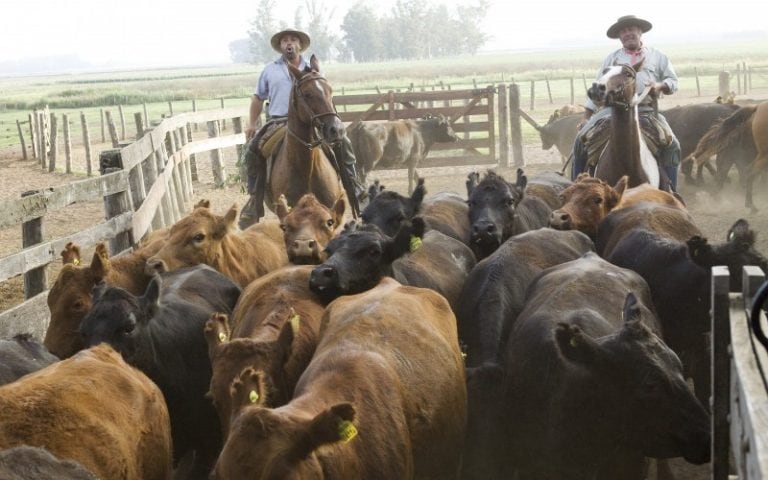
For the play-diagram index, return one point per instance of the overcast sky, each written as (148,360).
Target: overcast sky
(130,33)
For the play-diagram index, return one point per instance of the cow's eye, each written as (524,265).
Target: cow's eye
(199,237)
(330,223)
(128,328)
(283,227)
(510,201)
(598,201)
(374,251)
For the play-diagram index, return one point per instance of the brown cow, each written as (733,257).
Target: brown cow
(398,143)
(274,329)
(590,199)
(384,397)
(69,299)
(203,237)
(308,227)
(94,409)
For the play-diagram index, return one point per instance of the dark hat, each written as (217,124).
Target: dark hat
(625,21)
(303,37)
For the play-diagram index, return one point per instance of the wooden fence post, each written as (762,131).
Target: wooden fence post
(87,143)
(745,76)
(21,139)
(533,94)
(224,120)
(192,158)
(33,133)
(724,83)
(122,123)
(176,208)
(720,364)
(170,107)
(42,147)
(114,205)
(549,91)
(103,126)
(112,130)
(149,165)
(166,213)
(138,118)
(573,93)
(35,280)
(237,127)
(194,109)
(54,143)
(219,173)
(67,144)
(516,132)
(146,116)
(698,85)
(185,170)
(503,127)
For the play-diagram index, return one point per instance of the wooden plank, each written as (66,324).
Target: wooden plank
(67,144)
(401,97)
(142,218)
(35,279)
(42,254)
(87,144)
(720,367)
(136,152)
(21,139)
(463,144)
(450,112)
(32,316)
(457,161)
(13,212)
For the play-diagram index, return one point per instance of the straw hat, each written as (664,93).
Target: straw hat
(625,21)
(303,37)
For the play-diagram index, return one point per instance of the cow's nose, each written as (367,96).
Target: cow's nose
(560,220)
(323,277)
(155,265)
(306,246)
(484,227)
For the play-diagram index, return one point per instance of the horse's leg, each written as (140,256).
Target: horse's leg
(756,169)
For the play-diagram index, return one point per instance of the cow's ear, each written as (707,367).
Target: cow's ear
(281,207)
(331,426)
(100,265)
(740,234)
(249,388)
(699,250)
(418,194)
(522,180)
(204,203)
(71,254)
(314,63)
(97,291)
(576,346)
(374,190)
(339,207)
(618,191)
(216,330)
(631,310)
(284,343)
(398,245)
(226,223)
(151,300)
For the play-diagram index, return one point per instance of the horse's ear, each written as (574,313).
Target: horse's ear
(314,63)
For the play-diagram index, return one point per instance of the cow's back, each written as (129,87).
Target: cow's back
(448,213)
(22,355)
(116,414)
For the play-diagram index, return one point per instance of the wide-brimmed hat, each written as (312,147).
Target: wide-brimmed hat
(627,20)
(302,36)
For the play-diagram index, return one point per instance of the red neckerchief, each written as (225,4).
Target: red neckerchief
(637,56)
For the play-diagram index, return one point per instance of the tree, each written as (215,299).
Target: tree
(408,35)
(262,28)
(470,34)
(318,30)
(240,50)
(362,34)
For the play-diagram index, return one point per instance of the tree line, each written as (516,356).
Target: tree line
(413,29)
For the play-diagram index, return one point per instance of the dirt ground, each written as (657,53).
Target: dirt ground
(713,213)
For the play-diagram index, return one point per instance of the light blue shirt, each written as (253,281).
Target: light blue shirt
(656,68)
(275,85)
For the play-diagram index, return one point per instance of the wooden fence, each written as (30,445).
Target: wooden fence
(148,187)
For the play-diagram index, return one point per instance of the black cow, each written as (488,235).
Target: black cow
(678,275)
(361,255)
(446,212)
(589,388)
(27,463)
(499,210)
(22,355)
(161,334)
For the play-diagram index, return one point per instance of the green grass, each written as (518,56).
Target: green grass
(91,92)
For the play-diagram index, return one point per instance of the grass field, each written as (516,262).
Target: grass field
(90,93)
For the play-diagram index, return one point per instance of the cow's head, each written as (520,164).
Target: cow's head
(586,203)
(655,410)
(359,257)
(437,129)
(388,210)
(308,227)
(285,444)
(738,252)
(69,299)
(193,240)
(230,356)
(492,204)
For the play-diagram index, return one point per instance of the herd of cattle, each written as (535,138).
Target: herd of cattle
(540,328)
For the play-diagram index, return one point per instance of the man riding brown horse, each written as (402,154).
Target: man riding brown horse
(274,86)
(657,74)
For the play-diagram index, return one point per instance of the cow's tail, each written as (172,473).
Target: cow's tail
(723,134)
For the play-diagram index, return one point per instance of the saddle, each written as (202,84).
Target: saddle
(655,134)
(266,143)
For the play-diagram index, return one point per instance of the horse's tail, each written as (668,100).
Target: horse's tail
(723,134)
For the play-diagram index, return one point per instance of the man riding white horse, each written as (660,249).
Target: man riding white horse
(657,74)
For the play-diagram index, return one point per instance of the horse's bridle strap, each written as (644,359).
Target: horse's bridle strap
(297,94)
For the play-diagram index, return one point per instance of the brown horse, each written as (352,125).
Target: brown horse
(301,164)
(749,120)
(626,153)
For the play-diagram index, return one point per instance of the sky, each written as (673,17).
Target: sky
(165,33)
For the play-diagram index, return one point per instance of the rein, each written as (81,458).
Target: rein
(314,140)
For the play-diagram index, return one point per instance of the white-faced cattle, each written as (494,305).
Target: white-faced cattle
(22,355)
(94,409)
(308,227)
(161,333)
(361,255)
(383,398)
(69,299)
(499,210)
(274,329)
(205,238)
(590,389)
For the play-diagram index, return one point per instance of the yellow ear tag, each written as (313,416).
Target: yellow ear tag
(347,431)
(253,396)
(76,262)
(415,243)
(222,337)
(295,322)
(573,342)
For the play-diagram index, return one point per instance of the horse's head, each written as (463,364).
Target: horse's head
(312,101)
(616,87)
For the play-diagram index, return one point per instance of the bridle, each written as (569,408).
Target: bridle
(297,96)
(636,99)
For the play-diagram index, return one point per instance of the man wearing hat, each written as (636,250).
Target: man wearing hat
(657,72)
(274,86)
